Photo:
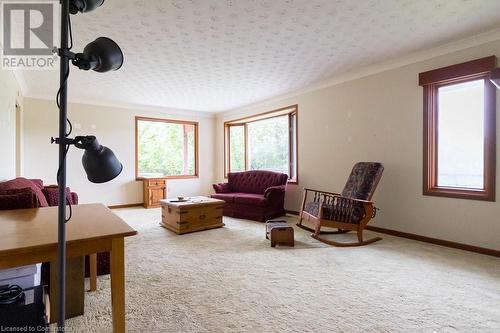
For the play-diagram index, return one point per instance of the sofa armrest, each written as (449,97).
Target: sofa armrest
(37,182)
(222,188)
(274,191)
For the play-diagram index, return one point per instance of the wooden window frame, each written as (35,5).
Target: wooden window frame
(431,81)
(172,121)
(245,139)
(294,110)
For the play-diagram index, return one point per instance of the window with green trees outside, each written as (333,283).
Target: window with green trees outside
(265,141)
(166,148)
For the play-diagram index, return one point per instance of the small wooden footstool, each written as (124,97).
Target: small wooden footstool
(279,232)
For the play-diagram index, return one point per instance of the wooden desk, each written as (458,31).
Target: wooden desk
(29,236)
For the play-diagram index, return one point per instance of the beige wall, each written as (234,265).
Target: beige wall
(379,118)
(8,96)
(115,128)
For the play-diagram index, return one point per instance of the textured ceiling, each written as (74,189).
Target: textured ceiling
(215,55)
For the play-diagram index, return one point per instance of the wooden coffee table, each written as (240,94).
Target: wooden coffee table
(194,214)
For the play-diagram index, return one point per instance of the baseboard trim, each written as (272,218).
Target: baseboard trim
(435,241)
(125,206)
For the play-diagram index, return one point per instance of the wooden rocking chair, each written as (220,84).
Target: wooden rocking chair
(349,211)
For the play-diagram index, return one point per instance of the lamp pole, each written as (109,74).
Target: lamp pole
(108,167)
(61,227)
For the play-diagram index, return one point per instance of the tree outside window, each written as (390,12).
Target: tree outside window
(166,148)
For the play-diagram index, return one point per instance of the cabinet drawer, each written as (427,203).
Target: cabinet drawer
(201,213)
(154,183)
(192,215)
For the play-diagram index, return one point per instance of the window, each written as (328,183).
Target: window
(459,131)
(166,148)
(265,141)
(237,151)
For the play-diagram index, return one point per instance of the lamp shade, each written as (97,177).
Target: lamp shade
(99,162)
(83,6)
(101,55)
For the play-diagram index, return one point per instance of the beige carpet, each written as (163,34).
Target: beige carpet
(231,280)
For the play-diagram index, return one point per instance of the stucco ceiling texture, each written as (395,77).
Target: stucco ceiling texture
(217,55)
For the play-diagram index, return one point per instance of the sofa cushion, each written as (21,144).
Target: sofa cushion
(52,195)
(252,199)
(19,183)
(255,181)
(227,197)
(17,199)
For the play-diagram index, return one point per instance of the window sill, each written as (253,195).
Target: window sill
(458,193)
(167,177)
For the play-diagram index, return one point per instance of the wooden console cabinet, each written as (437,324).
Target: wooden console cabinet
(155,190)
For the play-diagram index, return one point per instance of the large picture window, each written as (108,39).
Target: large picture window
(265,141)
(459,131)
(166,148)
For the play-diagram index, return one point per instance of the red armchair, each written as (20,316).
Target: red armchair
(256,195)
(22,193)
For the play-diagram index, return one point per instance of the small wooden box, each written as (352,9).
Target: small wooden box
(279,232)
(196,214)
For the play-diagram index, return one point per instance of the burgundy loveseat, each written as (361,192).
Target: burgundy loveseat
(20,193)
(255,195)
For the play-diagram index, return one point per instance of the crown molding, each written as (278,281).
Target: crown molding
(18,76)
(21,82)
(129,106)
(408,59)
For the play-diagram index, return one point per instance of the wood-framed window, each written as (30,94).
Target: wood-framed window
(460,131)
(265,141)
(165,148)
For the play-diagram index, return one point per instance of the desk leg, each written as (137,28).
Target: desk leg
(118,284)
(93,271)
(75,288)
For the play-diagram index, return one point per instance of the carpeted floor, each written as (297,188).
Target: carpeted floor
(231,280)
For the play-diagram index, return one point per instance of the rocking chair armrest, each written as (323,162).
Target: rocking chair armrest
(319,191)
(354,199)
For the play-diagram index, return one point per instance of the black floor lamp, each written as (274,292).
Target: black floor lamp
(99,162)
